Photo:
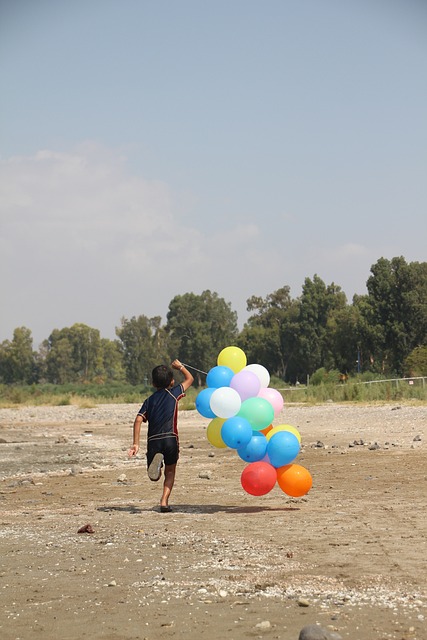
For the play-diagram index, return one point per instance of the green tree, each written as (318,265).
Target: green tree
(317,303)
(17,358)
(269,336)
(343,339)
(112,359)
(59,365)
(73,354)
(199,327)
(397,310)
(144,346)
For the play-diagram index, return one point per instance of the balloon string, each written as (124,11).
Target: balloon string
(194,368)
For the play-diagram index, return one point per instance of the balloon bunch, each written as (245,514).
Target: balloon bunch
(242,407)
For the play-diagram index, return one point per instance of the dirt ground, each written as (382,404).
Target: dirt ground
(351,555)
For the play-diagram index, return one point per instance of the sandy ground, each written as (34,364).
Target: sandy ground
(351,555)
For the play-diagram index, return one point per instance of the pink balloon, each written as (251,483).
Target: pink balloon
(274,397)
(246,383)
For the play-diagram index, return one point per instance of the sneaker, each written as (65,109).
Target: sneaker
(155,468)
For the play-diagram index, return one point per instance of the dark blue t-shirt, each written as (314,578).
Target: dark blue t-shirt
(160,410)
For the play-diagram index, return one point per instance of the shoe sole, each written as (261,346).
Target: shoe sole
(155,468)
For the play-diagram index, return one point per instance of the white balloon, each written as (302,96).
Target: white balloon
(225,402)
(261,372)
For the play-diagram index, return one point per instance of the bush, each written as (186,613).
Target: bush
(323,376)
(416,363)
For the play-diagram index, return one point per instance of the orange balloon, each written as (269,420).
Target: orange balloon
(294,480)
(266,430)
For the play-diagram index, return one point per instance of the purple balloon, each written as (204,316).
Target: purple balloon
(246,383)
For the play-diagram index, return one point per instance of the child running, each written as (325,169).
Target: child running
(160,410)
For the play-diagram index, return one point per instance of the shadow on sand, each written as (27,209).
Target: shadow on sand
(196,509)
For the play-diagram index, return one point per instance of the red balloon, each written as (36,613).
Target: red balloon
(258,478)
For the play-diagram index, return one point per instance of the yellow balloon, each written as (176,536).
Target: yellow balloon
(283,427)
(213,433)
(233,358)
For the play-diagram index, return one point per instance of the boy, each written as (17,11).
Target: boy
(160,410)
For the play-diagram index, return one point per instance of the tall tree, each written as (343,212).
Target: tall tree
(59,365)
(268,337)
(343,339)
(199,327)
(397,309)
(317,302)
(144,346)
(112,359)
(73,354)
(17,359)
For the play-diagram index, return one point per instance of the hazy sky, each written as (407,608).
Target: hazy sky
(154,148)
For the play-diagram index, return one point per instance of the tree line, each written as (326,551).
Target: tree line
(383,332)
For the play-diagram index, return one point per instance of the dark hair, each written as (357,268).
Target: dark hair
(162,376)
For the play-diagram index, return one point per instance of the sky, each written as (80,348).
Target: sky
(152,149)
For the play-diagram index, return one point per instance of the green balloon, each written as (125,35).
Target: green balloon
(258,411)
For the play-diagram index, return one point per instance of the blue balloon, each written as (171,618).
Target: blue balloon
(219,376)
(203,403)
(255,449)
(236,432)
(282,448)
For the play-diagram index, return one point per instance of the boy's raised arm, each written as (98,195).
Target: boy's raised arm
(188,378)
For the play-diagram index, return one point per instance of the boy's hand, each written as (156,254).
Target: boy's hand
(176,364)
(133,450)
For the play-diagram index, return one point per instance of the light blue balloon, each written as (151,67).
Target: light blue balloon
(203,403)
(282,448)
(236,432)
(255,449)
(219,376)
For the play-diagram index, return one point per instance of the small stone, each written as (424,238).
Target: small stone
(373,447)
(316,632)
(206,475)
(417,439)
(223,593)
(112,583)
(122,478)
(303,602)
(87,528)
(264,625)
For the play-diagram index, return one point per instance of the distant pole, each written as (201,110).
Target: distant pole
(358,360)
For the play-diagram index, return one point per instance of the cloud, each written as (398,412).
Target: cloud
(85,240)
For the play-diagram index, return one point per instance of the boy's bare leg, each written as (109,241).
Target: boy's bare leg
(168,483)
